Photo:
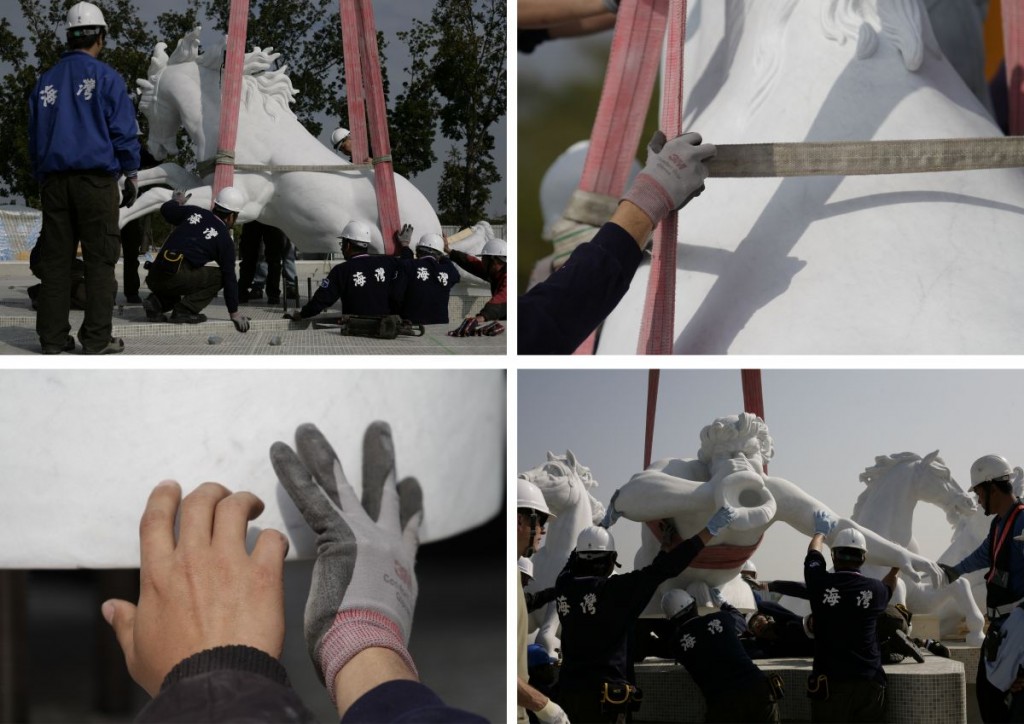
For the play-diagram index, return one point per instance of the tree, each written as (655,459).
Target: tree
(464,46)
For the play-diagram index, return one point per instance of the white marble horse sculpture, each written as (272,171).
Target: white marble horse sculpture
(311,207)
(894,485)
(566,485)
(969,531)
(729,469)
(907,263)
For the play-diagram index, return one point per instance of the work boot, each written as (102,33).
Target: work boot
(292,292)
(114,346)
(179,317)
(133,298)
(69,346)
(154,312)
(255,293)
(899,643)
(272,301)
(937,648)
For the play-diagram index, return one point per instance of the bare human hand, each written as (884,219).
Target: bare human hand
(202,590)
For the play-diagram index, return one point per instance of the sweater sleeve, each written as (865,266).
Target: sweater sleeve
(405,701)
(558,314)
(227,683)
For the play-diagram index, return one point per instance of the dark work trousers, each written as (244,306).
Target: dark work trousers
(751,704)
(583,705)
(853,700)
(272,238)
(188,290)
(992,701)
(133,236)
(78,207)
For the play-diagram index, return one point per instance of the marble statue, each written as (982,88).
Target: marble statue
(565,484)
(311,207)
(890,264)
(893,487)
(729,470)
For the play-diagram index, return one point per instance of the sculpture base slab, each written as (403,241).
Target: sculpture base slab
(930,693)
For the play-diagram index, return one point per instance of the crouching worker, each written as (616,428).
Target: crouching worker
(430,277)
(598,611)
(179,279)
(710,648)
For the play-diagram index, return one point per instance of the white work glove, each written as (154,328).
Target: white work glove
(716,596)
(404,235)
(721,520)
(364,586)
(674,174)
(824,523)
(551,713)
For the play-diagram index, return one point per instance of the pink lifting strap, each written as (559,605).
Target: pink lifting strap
(230,96)
(652,407)
(657,329)
(625,98)
(354,94)
(1013,51)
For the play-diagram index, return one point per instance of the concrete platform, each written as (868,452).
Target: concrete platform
(18,320)
(929,693)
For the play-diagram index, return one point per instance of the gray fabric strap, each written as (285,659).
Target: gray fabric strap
(207,167)
(861,158)
(588,207)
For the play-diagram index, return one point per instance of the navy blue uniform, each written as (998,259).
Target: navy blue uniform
(558,314)
(429,283)
(710,649)
(597,616)
(365,284)
(845,606)
(199,237)
(82,136)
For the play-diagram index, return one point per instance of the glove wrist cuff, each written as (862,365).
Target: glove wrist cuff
(352,632)
(650,197)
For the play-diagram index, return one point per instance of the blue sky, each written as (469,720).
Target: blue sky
(827,427)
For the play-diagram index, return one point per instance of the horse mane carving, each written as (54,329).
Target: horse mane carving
(884,464)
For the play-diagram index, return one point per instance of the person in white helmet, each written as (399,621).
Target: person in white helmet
(710,648)
(179,278)
(82,136)
(532,514)
(430,276)
(368,282)
(847,683)
(490,265)
(341,141)
(598,612)
(1000,670)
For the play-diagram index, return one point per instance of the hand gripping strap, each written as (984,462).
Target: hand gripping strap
(353,631)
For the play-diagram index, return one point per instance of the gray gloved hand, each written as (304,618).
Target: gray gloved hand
(716,596)
(612,5)
(241,323)
(824,523)
(364,587)
(404,235)
(951,574)
(180,196)
(674,174)
(611,514)
(721,520)
(552,713)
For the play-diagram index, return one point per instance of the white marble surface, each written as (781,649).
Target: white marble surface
(80,450)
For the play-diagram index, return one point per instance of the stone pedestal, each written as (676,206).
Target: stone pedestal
(928,693)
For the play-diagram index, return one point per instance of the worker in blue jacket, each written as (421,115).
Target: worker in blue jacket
(367,282)
(82,136)
(429,278)
(179,277)
(558,314)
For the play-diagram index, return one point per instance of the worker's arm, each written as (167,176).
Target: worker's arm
(545,709)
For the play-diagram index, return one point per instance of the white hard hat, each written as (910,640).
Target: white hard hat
(529,496)
(356,232)
(84,15)
(749,567)
(526,566)
(850,538)
(989,467)
(431,241)
(676,601)
(594,539)
(339,135)
(230,199)
(494,247)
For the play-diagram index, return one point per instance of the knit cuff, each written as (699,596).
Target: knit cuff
(650,197)
(352,632)
(236,658)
